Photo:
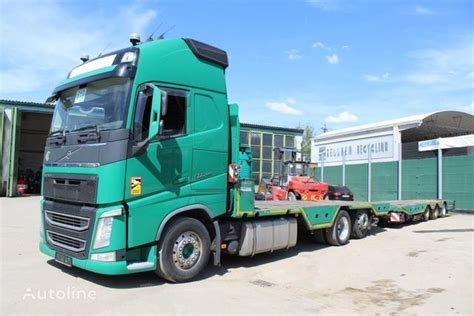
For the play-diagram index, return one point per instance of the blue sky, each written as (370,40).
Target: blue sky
(340,63)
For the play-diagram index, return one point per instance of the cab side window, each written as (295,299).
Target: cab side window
(174,122)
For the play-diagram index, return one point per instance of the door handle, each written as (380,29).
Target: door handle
(181,180)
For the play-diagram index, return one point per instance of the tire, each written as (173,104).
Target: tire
(340,232)
(444,211)
(292,196)
(319,236)
(361,224)
(434,213)
(184,251)
(426,215)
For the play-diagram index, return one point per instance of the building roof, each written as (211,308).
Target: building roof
(25,103)
(273,128)
(429,124)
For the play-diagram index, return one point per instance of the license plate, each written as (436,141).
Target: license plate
(63,259)
(345,195)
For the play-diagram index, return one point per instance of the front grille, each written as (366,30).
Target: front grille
(68,221)
(66,242)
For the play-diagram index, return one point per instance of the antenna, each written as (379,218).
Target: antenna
(162,36)
(150,38)
(102,51)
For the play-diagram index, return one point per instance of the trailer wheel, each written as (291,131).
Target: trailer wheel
(434,212)
(444,211)
(184,250)
(426,214)
(340,232)
(361,224)
(292,196)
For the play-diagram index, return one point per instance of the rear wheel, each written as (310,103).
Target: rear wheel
(444,211)
(426,214)
(184,250)
(340,232)
(434,213)
(360,224)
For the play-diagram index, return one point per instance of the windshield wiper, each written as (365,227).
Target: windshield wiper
(83,128)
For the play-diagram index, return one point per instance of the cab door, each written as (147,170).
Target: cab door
(159,178)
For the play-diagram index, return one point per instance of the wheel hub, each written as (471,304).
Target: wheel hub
(363,221)
(187,250)
(343,228)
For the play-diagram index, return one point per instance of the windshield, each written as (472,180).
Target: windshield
(100,104)
(298,169)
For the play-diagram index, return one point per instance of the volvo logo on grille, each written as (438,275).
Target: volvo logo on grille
(68,154)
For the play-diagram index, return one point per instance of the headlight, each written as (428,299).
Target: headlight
(104,228)
(106,256)
(128,57)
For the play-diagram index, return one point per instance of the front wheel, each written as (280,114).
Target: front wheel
(184,250)
(361,224)
(340,232)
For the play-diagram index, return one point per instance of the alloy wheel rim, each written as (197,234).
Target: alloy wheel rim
(343,228)
(187,250)
(363,221)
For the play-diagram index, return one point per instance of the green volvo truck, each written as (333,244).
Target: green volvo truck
(143,171)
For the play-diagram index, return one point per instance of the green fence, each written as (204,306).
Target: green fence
(419,179)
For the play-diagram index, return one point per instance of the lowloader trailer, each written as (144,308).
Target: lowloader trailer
(143,171)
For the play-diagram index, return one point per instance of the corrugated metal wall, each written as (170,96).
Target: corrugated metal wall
(419,179)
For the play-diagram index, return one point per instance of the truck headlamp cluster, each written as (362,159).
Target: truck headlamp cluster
(128,57)
(104,228)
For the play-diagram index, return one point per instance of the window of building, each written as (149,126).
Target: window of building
(244,138)
(256,139)
(278,141)
(290,141)
(267,140)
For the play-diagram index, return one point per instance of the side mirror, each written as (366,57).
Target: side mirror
(156,124)
(164,103)
(156,113)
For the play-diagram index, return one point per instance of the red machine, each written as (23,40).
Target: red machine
(293,182)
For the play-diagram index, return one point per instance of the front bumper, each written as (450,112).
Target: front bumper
(104,267)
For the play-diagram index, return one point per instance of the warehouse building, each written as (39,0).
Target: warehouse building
(24,127)
(422,156)
(263,139)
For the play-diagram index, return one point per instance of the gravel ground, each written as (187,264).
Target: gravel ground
(422,268)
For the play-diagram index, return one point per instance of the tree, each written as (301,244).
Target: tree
(306,142)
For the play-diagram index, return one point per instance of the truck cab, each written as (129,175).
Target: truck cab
(139,137)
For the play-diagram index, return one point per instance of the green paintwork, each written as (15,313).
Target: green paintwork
(458,180)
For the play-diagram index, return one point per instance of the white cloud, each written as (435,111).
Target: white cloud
(333,59)
(283,107)
(321,45)
(345,47)
(378,78)
(344,117)
(449,66)
(420,10)
(325,5)
(291,100)
(46,45)
(294,54)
